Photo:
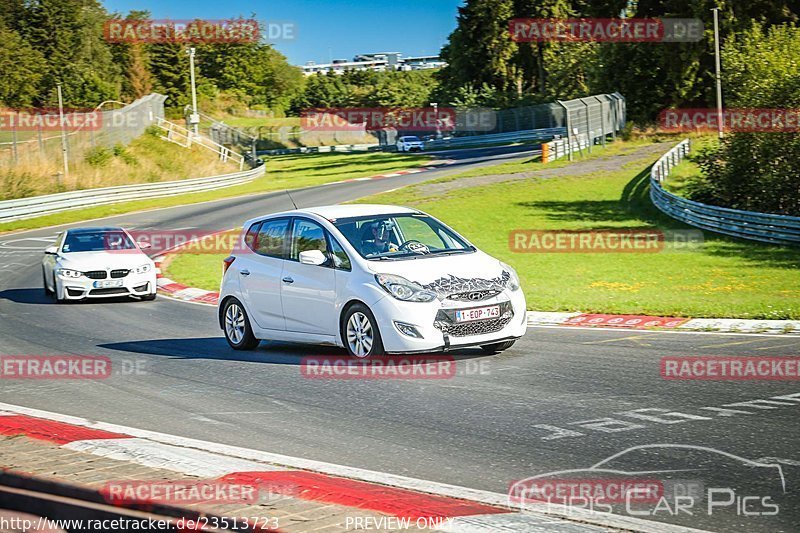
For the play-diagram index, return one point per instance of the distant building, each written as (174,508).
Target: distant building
(378,62)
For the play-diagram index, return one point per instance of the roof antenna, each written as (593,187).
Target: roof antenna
(290,198)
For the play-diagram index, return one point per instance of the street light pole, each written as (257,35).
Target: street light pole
(194,119)
(720,118)
(63,134)
(436,114)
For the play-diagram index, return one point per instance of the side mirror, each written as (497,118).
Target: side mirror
(51,250)
(143,245)
(313,257)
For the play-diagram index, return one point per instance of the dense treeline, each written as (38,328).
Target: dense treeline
(46,42)
(487,67)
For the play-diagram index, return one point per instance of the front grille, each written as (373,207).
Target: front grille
(121,273)
(446,322)
(473,296)
(479,327)
(96,274)
(110,290)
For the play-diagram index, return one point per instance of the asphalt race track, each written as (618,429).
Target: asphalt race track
(562,398)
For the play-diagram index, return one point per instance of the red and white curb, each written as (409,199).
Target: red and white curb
(726,325)
(451,507)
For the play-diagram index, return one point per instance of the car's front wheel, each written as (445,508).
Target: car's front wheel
(360,332)
(47,289)
(57,292)
(497,346)
(237,328)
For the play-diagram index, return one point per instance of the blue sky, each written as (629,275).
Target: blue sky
(326,28)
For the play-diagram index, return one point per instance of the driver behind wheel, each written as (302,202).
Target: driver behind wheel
(381,233)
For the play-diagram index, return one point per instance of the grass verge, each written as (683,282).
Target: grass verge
(723,278)
(283,172)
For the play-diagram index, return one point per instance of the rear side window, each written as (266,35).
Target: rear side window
(250,236)
(271,238)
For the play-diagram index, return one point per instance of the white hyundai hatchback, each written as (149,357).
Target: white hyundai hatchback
(373,279)
(97,263)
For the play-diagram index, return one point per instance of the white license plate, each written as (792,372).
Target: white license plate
(106,283)
(479,313)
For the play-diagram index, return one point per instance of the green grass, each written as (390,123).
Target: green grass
(723,278)
(283,172)
(196,270)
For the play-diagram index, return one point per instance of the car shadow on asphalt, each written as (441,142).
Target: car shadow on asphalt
(270,352)
(38,296)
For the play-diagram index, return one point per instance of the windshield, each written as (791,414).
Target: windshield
(410,139)
(97,241)
(400,236)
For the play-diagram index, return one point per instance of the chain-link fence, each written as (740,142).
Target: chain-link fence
(26,141)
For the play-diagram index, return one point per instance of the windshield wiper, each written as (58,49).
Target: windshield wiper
(447,252)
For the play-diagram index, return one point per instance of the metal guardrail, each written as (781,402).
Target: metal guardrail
(558,148)
(322,149)
(763,227)
(472,140)
(186,138)
(494,138)
(11,210)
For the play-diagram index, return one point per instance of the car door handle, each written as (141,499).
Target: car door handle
(244,272)
(287,279)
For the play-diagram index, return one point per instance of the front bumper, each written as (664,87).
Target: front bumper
(437,329)
(83,287)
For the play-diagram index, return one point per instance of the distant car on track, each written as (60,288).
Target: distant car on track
(373,279)
(98,263)
(410,143)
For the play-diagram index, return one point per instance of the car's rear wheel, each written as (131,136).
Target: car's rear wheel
(497,346)
(237,328)
(360,332)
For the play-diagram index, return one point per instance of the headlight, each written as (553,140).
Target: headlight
(142,269)
(403,289)
(68,273)
(513,281)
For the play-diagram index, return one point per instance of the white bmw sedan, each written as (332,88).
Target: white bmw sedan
(97,263)
(373,279)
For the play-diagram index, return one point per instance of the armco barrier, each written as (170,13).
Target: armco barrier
(559,148)
(496,138)
(764,227)
(11,210)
